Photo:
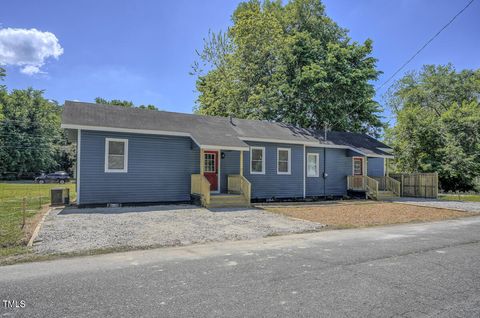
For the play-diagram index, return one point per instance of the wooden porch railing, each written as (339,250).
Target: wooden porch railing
(356,183)
(388,184)
(363,183)
(240,185)
(393,185)
(371,187)
(201,186)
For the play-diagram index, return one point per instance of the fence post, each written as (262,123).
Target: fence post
(402,181)
(425,181)
(24,211)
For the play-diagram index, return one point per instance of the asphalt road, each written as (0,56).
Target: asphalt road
(399,271)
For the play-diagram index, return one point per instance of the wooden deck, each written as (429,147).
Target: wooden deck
(377,188)
(239,192)
(227,200)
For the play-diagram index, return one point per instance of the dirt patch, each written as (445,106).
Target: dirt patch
(362,215)
(31,223)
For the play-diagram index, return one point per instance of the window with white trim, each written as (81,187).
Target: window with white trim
(116,155)
(257,160)
(283,160)
(312,165)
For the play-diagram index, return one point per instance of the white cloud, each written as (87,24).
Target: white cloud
(28,48)
(31,69)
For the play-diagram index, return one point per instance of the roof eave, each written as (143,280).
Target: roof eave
(153,132)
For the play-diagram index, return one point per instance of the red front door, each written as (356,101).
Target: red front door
(358,166)
(210,168)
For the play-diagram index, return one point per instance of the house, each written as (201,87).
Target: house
(131,155)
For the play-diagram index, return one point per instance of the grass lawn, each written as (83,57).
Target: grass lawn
(14,237)
(366,214)
(460,197)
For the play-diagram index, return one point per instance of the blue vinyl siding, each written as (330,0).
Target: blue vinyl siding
(271,184)
(376,167)
(338,166)
(159,169)
(228,166)
(315,185)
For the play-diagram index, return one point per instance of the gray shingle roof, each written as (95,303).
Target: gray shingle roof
(210,130)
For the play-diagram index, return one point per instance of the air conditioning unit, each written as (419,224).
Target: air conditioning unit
(59,196)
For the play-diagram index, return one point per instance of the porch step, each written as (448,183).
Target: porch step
(228,200)
(382,195)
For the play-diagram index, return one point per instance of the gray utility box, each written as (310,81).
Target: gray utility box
(60,196)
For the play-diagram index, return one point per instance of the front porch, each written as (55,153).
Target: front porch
(207,186)
(376,188)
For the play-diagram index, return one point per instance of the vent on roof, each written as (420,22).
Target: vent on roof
(325,130)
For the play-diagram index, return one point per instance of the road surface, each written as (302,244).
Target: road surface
(398,271)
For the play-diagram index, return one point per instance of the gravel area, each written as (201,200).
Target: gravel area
(75,230)
(454,205)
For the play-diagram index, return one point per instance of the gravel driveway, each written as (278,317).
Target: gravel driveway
(454,205)
(75,230)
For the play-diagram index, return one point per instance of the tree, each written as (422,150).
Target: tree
(30,132)
(3,90)
(31,139)
(438,124)
(123,103)
(288,63)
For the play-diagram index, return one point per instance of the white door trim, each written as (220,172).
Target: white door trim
(219,157)
(363,165)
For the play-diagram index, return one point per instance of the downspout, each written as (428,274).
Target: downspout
(325,175)
(325,171)
(304,173)
(79,142)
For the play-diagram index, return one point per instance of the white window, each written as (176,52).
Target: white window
(257,160)
(116,155)
(283,160)
(312,165)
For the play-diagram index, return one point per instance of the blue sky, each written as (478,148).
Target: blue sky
(143,50)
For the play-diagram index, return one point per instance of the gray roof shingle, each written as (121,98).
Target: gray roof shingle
(214,131)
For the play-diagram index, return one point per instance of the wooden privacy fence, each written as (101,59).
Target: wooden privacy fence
(418,185)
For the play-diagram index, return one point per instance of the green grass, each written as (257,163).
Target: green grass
(460,197)
(12,195)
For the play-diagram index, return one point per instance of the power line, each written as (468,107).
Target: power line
(426,44)
(409,60)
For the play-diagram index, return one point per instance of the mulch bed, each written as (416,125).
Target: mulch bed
(362,215)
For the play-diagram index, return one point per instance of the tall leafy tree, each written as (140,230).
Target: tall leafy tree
(30,136)
(288,63)
(30,132)
(3,90)
(438,124)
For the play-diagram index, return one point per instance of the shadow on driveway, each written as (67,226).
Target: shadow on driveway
(129,209)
